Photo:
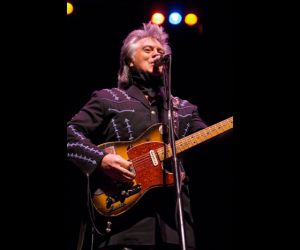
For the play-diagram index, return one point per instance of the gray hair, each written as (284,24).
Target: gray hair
(129,46)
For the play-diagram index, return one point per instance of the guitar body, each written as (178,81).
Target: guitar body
(114,198)
(146,153)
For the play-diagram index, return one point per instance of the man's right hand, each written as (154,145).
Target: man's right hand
(116,167)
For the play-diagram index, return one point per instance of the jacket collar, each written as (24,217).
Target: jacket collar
(137,94)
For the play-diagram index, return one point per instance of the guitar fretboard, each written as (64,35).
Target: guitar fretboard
(196,138)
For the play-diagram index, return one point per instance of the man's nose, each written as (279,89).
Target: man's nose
(156,57)
(156,54)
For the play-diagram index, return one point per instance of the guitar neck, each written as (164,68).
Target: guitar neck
(196,138)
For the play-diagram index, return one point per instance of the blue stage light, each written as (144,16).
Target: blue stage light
(175,18)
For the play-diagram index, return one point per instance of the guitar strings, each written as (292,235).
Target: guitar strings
(143,158)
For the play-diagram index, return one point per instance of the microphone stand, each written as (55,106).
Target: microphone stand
(176,169)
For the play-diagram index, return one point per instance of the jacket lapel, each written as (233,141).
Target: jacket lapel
(137,94)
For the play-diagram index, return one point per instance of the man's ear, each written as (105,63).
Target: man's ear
(129,62)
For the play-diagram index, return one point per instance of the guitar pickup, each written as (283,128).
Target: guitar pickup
(153,157)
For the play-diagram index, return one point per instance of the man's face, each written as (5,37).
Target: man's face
(148,49)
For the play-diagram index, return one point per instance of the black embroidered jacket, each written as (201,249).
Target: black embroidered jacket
(117,115)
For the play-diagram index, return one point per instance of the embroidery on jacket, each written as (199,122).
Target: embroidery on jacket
(184,115)
(128,126)
(124,93)
(121,111)
(186,129)
(81,157)
(116,129)
(183,103)
(86,147)
(113,94)
(76,133)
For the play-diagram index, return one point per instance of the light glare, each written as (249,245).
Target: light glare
(175,18)
(157,18)
(70,8)
(190,19)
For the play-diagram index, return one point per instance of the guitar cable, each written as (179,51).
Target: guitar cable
(92,214)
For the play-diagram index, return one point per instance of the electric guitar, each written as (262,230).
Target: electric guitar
(147,154)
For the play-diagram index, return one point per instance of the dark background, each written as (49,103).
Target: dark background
(203,71)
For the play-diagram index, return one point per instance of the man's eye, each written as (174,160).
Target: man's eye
(162,52)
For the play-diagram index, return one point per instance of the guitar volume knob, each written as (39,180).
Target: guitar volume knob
(109,202)
(124,193)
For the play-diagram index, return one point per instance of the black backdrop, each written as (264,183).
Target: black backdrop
(203,71)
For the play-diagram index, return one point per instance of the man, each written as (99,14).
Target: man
(124,114)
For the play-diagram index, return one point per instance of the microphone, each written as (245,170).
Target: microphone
(161,60)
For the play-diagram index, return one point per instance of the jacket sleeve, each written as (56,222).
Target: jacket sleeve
(80,149)
(197,122)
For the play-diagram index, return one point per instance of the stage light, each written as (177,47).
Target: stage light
(175,18)
(70,8)
(157,18)
(190,19)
